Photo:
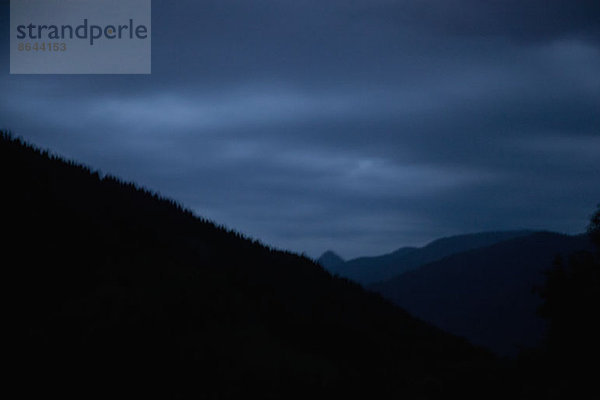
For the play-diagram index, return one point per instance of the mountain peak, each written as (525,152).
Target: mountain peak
(330,259)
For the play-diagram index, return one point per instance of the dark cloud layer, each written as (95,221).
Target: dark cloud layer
(357,125)
(532,20)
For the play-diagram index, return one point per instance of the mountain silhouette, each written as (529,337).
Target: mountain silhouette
(329,259)
(485,295)
(368,270)
(116,291)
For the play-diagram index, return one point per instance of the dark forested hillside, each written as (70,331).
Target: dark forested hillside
(486,295)
(368,270)
(114,291)
(571,302)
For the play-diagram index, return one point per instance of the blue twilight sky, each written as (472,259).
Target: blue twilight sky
(354,125)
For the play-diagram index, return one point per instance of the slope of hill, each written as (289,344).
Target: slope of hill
(485,295)
(108,282)
(368,270)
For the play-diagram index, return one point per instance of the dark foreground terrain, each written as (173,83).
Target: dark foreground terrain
(116,292)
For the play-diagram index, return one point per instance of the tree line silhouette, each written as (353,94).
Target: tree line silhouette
(566,365)
(116,291)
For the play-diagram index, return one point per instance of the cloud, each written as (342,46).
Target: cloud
(360,126)
(521,21)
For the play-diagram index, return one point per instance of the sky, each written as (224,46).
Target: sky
(359,126)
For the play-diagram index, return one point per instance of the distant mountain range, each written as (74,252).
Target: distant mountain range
(487,294)
(478,286)
(368,270)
